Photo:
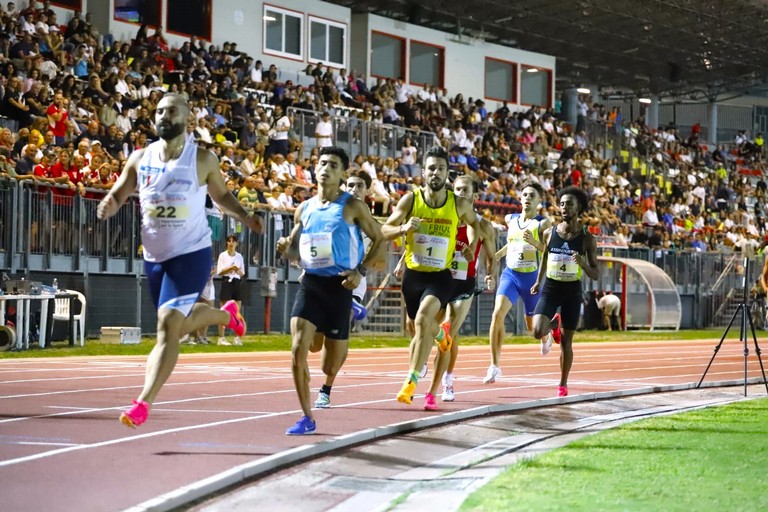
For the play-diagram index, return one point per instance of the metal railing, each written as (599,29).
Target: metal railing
(357,136)
(44,231)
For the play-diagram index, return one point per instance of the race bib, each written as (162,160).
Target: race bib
(459,266)
(163,216)
(521,255)
(316,250)
(562,267)
(430,250)
(180,211)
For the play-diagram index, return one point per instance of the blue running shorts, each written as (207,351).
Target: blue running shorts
(177,283)
(518,284)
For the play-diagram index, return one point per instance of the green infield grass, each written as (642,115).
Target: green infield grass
(705,460)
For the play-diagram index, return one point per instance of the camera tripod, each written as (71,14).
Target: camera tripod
(745,321)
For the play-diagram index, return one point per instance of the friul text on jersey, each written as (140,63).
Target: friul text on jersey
(437,227)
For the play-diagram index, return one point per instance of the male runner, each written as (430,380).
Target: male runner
(326,239)
(429,217)
(464,275)
(523,251)
(570,249)
(173,176)
(357,184)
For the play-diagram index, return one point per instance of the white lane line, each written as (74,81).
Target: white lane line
(75,411)
(140,385)
(101,444)
(30,443)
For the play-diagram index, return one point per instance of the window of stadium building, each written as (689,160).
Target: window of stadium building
(189,17)
(138,11)
(327,42)
(500,80)
(535,86)
(426,64)
(283,32)
(76,5)
(387,55)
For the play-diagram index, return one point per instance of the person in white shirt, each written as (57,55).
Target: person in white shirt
(231,268)
(324,131)
(286,199)
(369,167)
(401,92)
(650,217)
(202,130)
(458,135)
(27,24)
(256,73)
(278,141)
(380,193)
(408,155)
(281,167)
(610,305)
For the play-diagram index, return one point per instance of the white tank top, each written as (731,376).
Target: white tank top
(173,220)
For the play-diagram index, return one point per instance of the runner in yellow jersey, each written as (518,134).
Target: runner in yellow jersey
(429,217)
(570,249)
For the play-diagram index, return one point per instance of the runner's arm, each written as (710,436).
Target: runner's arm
(289,245)
(124,187)
(372,230)
(543,263)
(589,262)
(209,164)
(394,227)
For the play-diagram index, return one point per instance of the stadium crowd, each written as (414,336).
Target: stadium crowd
(76,104)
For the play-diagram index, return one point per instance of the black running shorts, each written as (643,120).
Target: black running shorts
(567,296)
(417,285)
(326,303)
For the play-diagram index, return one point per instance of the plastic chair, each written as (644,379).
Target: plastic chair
(61,312)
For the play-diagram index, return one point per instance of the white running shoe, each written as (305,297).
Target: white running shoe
(424,370)
(448,394)
(223,341)
(546,344)
(323,400)
(238,341)
(493,373)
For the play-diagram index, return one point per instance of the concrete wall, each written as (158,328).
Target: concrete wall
(464,58)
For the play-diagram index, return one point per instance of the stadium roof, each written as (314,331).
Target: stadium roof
(692,48)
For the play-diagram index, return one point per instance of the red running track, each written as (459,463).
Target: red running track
(62,447)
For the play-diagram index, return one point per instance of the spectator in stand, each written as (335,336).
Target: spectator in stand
(409,157)
(278,135)
(324,131)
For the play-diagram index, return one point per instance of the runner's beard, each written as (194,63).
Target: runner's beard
(170,132)
(434,186)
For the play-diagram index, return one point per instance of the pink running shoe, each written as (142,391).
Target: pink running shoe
(556,332)
(236,320)
(562,391)
(430,404)
(136,415)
